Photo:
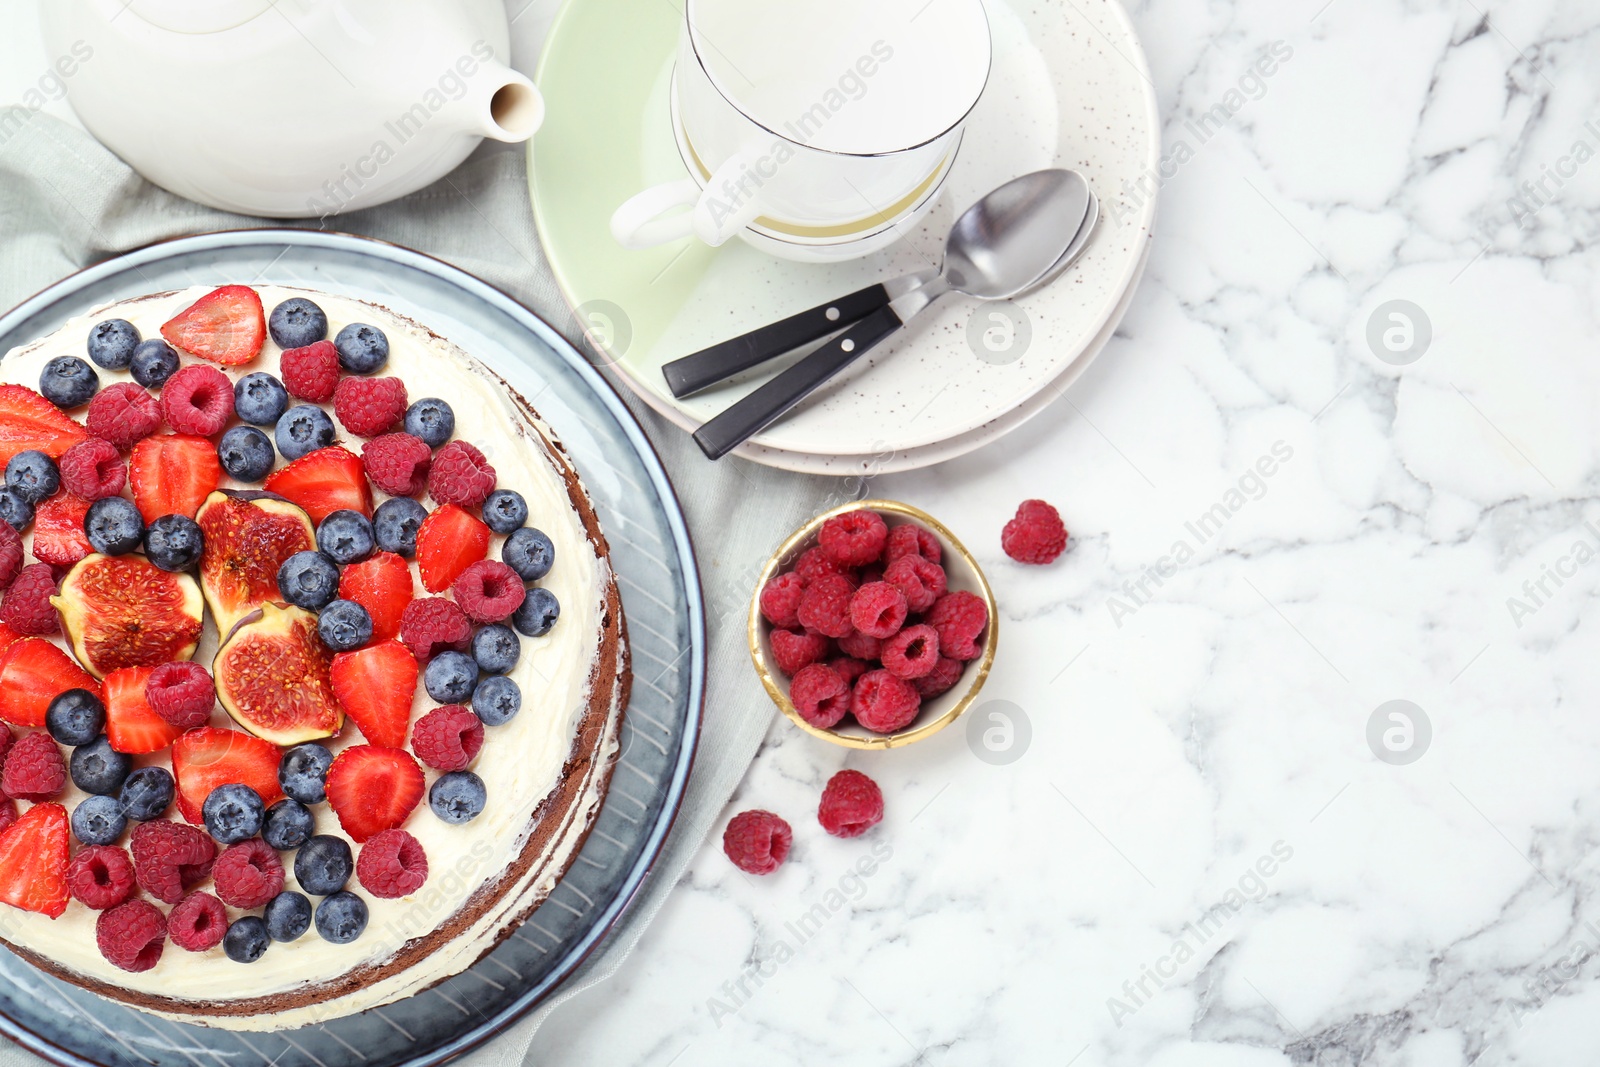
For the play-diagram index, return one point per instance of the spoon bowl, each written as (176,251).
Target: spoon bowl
(1007,241)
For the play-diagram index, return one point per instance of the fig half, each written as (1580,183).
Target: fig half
(248,535)
(272,677)
(123,611)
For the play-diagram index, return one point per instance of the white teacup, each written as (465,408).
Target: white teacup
(822,124)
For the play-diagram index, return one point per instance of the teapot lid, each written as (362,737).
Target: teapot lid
(186,16)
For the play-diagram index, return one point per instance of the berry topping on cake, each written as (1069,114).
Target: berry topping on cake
(375,686)
(260,399)
(33,672)
(232,813)
(489,591)
(29,421)
(287,915)
(173,474)
(529,552)
(147,793)
(433,624)
(182,693)
(33,861)
(111,343)
(246,454)
(197,400)
(450,677)
(323,482)
(309,580)
(113,526)
(431,421)
(10,554)
(504,510)
(131,726)
(341,917)
(26,607)
(303,429)
(297,321)
(154,361)
(323,865)
(58,535)
(34,769)
(174,543)
(287,825)
(248,873)
(208,757)
(122,414)
(449,541)
(851,804)
(32,475)
(496,700)
(92,469)
(68,382)
(382,585)
(397,463)
(246,940)
(101,876)
(310,372)
(97,820)
(169,857)
(249,536)
(458,797)
(197,922)
(497,648)
(272,677)
(1036,535)
(820,696)
(344,626)
(447,738)
(368,407)
(123,611)
(373,789)
(99,769)
(76,717)
(132,935)
(226,326)
(395,525)
(362,349)
(960,619)
(392,864)
(345,537)
(303,774)
(537,614)
(757,841)
(460,475)
(884,703)
(15,511)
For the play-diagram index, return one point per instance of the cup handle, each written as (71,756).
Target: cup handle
(726,207)
(638,223)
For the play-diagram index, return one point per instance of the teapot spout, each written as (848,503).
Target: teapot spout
(503,104)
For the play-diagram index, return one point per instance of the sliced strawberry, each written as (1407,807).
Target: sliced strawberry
(132,725)
(227,326)
(58,535)
(382,585)
(33,861)
(28,420)
(172,474)
(207,757)
(8,637)
(373,789)
(375,686)
(450,540)
(33,672)
(323,482)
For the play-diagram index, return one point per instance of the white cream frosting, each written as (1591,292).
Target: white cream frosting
(521,762)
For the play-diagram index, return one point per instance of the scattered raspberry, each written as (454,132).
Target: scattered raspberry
(854,539)
(122,414)
(197,399)
(34,769)
(432,625)
(10,554)
(182,693)
(397,463)
(100,876)
(825,605)
(861,646)
(392,864)
(447,738)
(170,857)
(943,678)
(883,703)
(311,373)
(132,935)
(918,580)
(8,813)
(26,607)
(794,649)
(460,475)
(370,406)
(911,653)
(820,695)
(780,600)
(849,668)
(92,469)
(814,563)
(757,841)
(1036,535)
(878,609)
(197,922)
(960,618)
(851,804)
(248,874)
(912,540)
(489,591)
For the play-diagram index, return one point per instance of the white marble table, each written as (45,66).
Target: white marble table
(1213,848)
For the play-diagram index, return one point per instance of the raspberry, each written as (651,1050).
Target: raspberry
(198,400)
(11,552)
(6,738)
(960,619)
(918,580)
(820,695)
(432,625)
(883,703)
(169,857)
(248,874)
(795,649)
(197,922)
(757,841)
(814,563)
(489,591)
(911,653)
(851,804)
(447,738)
(912,540)
(100,876)
(780,599)
(1036,535)
(370,406)
(132,935)
(825,605)
(861,646)
(8,813)
(122,414)
(92,469)
(854,539)
(34,769)
(849,668)
(392,864)
(397,463)
(311,373)
(943,678)
(26,607)
(181,693)
(878,609)
(460,475)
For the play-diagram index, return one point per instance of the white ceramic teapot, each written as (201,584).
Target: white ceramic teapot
(292,108)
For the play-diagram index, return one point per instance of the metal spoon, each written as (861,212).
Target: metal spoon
(1019,236)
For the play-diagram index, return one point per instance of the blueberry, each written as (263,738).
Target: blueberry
(33,475)
(308,580)
(15,509)
(496,648)
(68,382)
(450,676)
(344,625)
(504,511)
(154,362)
(303,428)
(114,525)
(98,821)
(297,322)
(288,915)
(111,343)
(147,793)
(496,700)
(246,939)
(431,420)
(75,717)
(395,525)
(246,453)
(341,917)
(537,613)
(457,797)
(232,813)
(260,398)
(529,552)
(304,771)
(174,543)
(323,865)
(287,825)
(99,768)
(362,348)
(345,536)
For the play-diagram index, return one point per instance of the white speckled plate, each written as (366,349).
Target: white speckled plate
(1070,88)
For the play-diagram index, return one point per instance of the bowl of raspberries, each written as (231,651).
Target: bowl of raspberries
(872,626)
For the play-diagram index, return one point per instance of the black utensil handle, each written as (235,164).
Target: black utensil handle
(692,373)
(766,405)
